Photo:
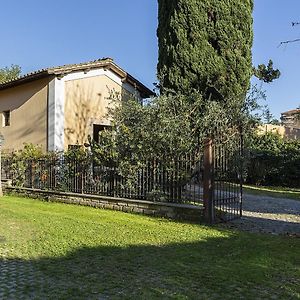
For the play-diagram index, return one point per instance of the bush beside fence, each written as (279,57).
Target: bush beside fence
(211,179)
(178,181)
(274,161)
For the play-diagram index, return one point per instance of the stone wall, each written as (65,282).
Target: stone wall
(167,210)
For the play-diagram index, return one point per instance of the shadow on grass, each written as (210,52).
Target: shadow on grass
(241,265)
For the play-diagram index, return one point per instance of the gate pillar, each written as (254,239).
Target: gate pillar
(208,181)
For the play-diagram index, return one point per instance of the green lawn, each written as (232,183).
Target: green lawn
(57,251)
(280,192)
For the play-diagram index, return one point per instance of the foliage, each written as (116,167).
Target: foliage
(30,151)
(140,134)
(168,127)
(71,167)
(9,73)
(78,153)
(205,46)
(18,162)
(275,122)
(269,117)
(266,73)
(40,167)
(274,161)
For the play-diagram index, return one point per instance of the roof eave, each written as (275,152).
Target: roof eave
(67,69)
(144,91)
(291,112)
(126,77)
(22,80)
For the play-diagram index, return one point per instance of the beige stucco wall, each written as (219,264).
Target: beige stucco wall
(286,132)
(28,115)
(271,128)
(86,102)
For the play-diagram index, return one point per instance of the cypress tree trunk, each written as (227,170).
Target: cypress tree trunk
(205,45)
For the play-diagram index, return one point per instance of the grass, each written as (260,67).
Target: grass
(280,192)
(59,251)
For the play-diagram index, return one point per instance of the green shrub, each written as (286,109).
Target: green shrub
(274,161)
(19,161)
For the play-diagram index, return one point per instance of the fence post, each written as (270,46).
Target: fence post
(30,162)
(241,169)
(208,181)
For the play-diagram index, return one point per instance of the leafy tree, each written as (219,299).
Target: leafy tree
(9,73)
(275,122)
(167,126)
(205,45)
(161,133)
(268,116)
(266,73)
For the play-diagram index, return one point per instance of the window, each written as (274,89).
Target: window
(6,118)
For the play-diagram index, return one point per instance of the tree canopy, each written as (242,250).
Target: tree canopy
(9,73)
(205,45)
(266,73)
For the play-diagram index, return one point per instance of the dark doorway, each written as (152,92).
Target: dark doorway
(96,129)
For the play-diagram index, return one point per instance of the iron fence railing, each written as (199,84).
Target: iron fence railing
(211,179)
(176,181)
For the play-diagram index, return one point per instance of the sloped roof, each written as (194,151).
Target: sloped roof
(106,63)
(291,112)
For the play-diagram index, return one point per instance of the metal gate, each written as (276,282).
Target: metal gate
(222,183)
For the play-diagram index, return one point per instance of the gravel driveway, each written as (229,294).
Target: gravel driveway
(269,215)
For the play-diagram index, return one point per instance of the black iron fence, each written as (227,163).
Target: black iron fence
(228,170)
(211,179)
(176,181)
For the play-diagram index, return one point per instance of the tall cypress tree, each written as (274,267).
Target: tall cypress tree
(205,45)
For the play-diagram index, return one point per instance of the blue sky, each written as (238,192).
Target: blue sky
(37,34)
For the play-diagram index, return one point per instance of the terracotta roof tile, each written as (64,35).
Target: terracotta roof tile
(65,69)
(291,112)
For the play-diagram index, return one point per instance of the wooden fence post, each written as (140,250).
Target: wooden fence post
(208,181)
